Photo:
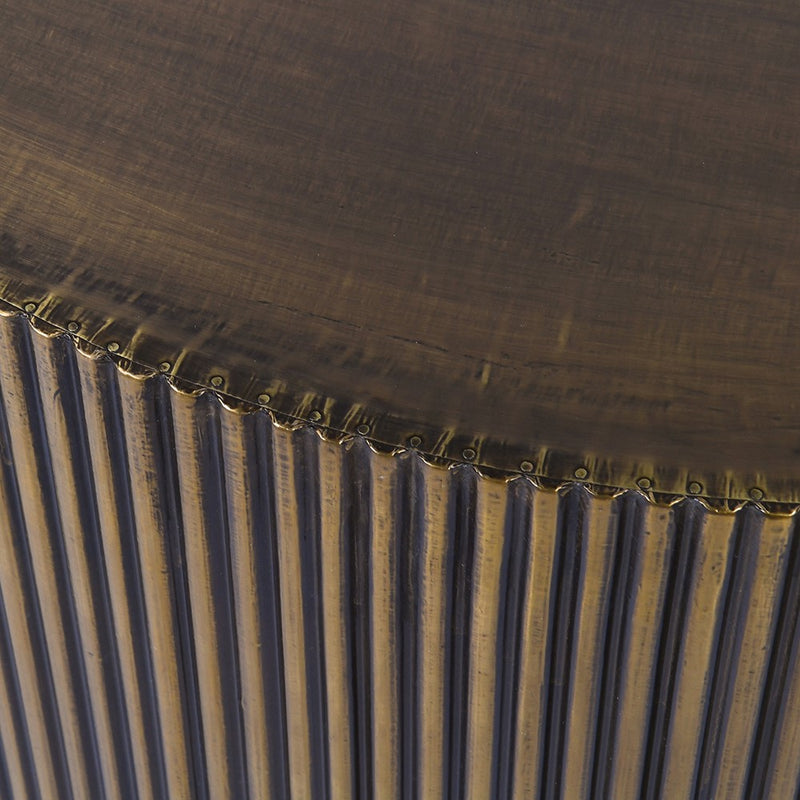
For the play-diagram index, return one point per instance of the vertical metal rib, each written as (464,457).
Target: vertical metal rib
(458,605)
(391,705)
(693,673)
(402,515)
(595,613)
(344,613)
(773,767)
(640,663)
(431,624)
(292,614)
(510,627)
(173,530)
(161,571)
(491,513)
(684,533)
(568,568)
(203,505)
(249,483)
(307,486)
(625,527)
(529,738)
(731,619)
(26,633)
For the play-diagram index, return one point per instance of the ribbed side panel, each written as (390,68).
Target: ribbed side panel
(200,603)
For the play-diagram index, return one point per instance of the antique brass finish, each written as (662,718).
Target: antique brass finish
(285,615)
(399,399)
(546,235)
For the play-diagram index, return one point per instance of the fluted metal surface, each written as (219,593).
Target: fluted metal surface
(197,602)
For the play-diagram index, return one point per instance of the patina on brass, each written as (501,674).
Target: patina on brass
(398,399)
(199,602)
(547,234)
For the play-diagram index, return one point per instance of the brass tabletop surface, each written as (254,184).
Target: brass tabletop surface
(557,235)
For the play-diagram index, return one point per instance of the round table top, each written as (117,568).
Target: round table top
(546,237)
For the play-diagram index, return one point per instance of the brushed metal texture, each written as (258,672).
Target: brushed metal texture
(202,602)
(533,232)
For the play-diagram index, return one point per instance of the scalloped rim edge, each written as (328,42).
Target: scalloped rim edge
(135,368)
